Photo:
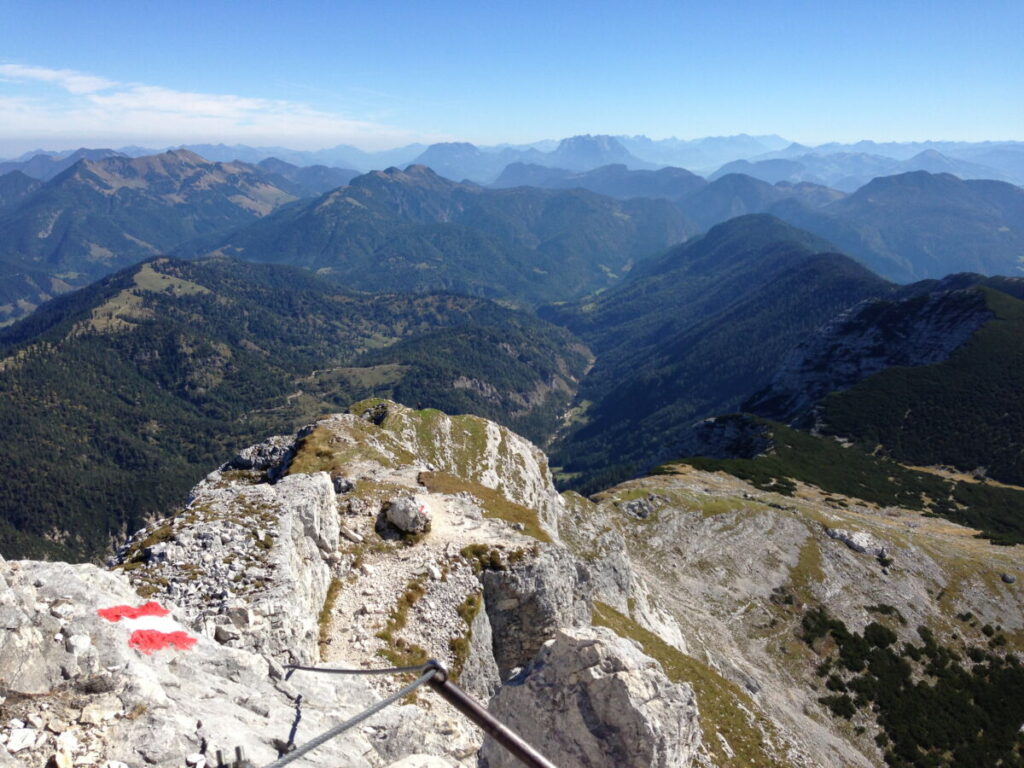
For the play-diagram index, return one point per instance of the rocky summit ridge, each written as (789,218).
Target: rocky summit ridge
(669,621)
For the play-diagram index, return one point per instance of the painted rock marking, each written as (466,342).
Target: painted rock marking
(152,629)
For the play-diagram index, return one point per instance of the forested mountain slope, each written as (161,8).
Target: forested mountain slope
(124,393)
(693,334)
(413,230)
(920,225)
(101,215)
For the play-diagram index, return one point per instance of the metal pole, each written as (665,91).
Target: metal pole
(501,733)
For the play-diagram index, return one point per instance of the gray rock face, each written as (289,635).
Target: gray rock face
(408,515)
(592,699)
(409,730)
(99,699)
(527,604)
(871,337)
(270,456)
(247,563)
(480,675)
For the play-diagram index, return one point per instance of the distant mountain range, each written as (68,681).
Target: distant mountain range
(738,195)
(848,171)
(615,180)
(921,225)
(462,161)
(97,216)
(906,227)
(414,230)
(45,166)
(843,166)
(836,165)
(308,181)
(904,150)
(455,160)
(707,153)
(540,234)
(706,204)
(704,154)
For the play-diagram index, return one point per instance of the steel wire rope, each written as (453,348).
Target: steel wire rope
(339,671)
(329,734)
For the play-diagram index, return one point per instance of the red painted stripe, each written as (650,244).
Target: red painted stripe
(149,640)
(119,612)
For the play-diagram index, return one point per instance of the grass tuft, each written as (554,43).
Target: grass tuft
(492,502)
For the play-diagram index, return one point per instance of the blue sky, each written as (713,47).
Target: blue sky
(384,73)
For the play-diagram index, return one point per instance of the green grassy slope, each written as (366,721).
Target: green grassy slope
(855,472)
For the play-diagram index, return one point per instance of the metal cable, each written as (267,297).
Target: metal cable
(336,671)
(295,727)
(342,727)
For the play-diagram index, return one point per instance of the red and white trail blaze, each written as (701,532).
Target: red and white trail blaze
(152,627)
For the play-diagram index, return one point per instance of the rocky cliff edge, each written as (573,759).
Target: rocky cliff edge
(662,622)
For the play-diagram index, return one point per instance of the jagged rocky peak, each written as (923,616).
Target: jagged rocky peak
(379,436)
(673,620)
(380,536)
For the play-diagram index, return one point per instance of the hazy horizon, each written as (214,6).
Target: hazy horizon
(319,75)
(65,150)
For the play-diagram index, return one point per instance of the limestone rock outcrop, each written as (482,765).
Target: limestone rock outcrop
(592,699)
(529,603)
(246,562)
(92,695)
(283,555)
(858,541)
(269,456)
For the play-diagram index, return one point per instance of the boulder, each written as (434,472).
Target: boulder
(408,514)
(591,698)
(858,541)
(21,738)
(342,484)
(638,508)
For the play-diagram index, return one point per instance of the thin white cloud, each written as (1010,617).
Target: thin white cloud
(71,81)
(95,109)
(148,98)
